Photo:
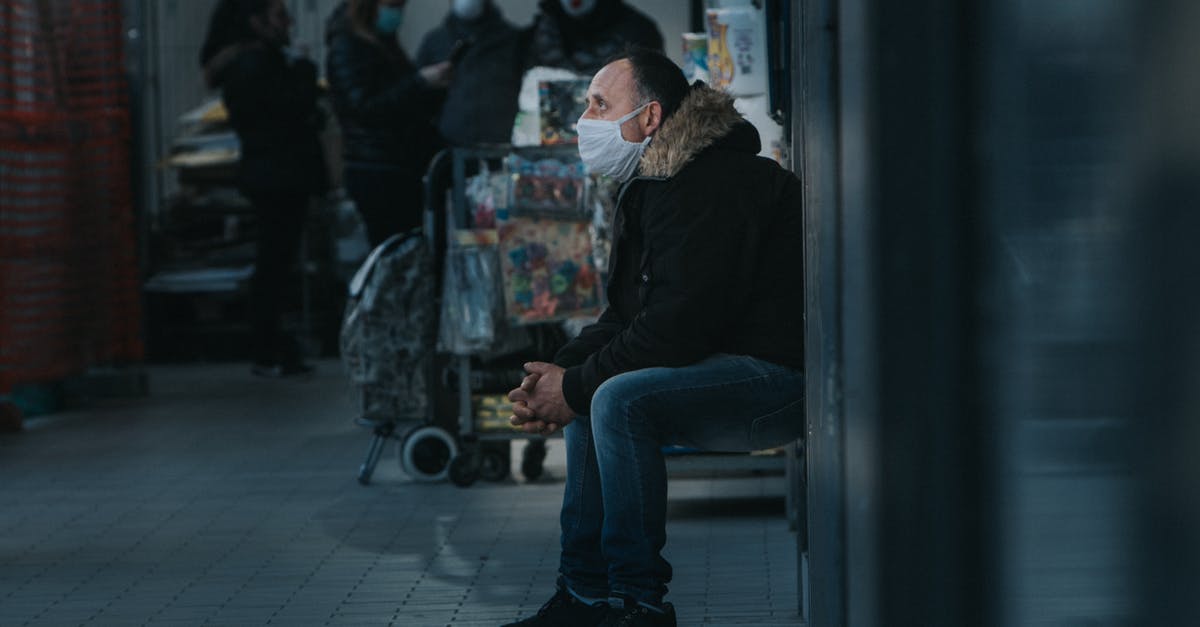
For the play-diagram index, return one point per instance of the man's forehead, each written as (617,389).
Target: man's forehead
(614,80)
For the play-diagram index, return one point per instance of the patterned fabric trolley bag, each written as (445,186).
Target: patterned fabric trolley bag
(387,337)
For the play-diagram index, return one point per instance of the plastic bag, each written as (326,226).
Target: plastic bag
(470,296)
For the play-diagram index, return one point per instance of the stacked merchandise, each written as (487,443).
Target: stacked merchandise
(201,246)
(554,234)
(732,55)
(519,256)
(206,224)
(545,242)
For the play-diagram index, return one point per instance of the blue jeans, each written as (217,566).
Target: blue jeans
(615,506)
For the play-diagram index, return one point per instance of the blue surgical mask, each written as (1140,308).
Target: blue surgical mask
(389,19)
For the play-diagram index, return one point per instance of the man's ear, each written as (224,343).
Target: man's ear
(653,118)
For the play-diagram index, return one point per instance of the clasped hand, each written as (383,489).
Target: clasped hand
(538,404)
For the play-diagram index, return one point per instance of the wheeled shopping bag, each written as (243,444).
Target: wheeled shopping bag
(387,344)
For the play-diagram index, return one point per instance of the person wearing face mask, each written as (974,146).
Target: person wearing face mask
(272,104)
(700,343)
(386,105)
(481,101)
(582,35)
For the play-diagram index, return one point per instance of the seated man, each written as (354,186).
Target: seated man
(701,343)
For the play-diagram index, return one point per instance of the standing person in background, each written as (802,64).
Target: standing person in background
(386,105)
(582,35)
(272,104)
(491,54)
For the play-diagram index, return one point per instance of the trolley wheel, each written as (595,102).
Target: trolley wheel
(494,463)
(464,469)
(425,453)
(531,459)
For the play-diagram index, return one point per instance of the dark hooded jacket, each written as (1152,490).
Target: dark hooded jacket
(706,255)
(272,104)
(385,108)
(481,103)
(585,44)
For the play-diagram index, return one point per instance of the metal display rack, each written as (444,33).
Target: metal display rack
(454,446)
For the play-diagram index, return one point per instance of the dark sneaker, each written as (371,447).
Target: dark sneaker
(564,610)
(282,371)
(635,615)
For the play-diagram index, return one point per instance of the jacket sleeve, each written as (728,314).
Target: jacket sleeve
(545,44)
(690,287)
(351,77)
(433,48)
(591,339)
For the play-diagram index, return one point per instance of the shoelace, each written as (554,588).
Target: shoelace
(562,598)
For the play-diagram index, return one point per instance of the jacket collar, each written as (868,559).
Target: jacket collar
(705,116)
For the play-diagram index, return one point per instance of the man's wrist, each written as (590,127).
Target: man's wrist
(572,390)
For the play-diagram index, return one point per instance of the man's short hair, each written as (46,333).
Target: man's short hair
(656,77)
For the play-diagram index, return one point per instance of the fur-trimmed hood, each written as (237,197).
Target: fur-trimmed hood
(704,118)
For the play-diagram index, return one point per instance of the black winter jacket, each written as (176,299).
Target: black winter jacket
(585,44)
(481,103)
(707,255)
(385,108)
(272,106)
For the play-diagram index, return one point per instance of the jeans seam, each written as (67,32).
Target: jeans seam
(637,468)
(581,482)
(754,423)
(651,393)
(591,444)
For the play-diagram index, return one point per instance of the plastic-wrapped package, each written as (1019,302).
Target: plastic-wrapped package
(527,128)
(560,103)
(549,273)
(470,294)
(550,186)
(602,200)
(485,193)
(387,332)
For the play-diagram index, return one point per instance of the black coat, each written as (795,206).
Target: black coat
(585,44)
(385,108)
(707,256)
(272,106)
(481,103)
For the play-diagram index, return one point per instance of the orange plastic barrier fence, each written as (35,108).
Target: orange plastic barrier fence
(69,289)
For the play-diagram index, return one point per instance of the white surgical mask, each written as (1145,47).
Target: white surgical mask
(604,151)
(469,9)
(578,8)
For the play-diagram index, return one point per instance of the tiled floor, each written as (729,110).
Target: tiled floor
(226,500)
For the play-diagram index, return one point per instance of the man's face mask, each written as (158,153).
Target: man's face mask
(469,9)
(389,19)
(578,8)
(603,149)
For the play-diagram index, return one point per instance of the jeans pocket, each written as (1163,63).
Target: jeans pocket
(778,427)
